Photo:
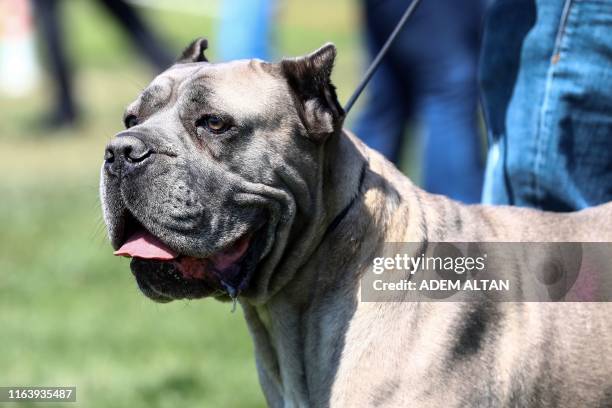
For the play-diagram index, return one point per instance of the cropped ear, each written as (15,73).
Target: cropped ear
(194,52)
(310,79)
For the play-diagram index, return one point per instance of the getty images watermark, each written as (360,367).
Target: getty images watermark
(499,271)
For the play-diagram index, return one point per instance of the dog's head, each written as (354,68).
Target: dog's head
(218,165)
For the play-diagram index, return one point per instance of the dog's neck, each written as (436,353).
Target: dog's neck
(298,333)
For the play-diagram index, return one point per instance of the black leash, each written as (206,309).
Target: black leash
(381,54)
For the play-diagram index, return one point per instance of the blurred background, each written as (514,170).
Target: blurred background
(70,312)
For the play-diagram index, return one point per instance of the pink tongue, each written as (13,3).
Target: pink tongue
(227,257)
(146,246)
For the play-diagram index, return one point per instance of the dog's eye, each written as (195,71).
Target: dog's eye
(130,121)
(213,123)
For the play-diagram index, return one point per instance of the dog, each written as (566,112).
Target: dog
(237,181)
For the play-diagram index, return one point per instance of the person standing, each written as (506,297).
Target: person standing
(245,29)
(546,78)
(49,17)
(429,75)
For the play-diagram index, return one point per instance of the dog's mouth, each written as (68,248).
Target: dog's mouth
(163,274)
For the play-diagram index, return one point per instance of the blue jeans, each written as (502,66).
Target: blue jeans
(546,78)
(244,29)
(429,74)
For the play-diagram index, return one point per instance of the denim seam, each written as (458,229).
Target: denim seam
(542,137)
(560,33)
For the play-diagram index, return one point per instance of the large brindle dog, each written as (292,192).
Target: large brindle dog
(236,180)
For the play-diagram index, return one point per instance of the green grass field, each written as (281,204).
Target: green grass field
(70,312)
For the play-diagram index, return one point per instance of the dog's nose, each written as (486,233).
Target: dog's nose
(124,153)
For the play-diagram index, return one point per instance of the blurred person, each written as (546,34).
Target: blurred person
(546,78)
(245,29)
(19,70)
(429,74)
(49,17)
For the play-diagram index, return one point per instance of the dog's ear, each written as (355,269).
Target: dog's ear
(310,79)
(194,52)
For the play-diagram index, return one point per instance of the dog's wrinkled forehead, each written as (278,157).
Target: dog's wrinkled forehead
(243,87)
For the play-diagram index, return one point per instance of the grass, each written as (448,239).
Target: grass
(70,312)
